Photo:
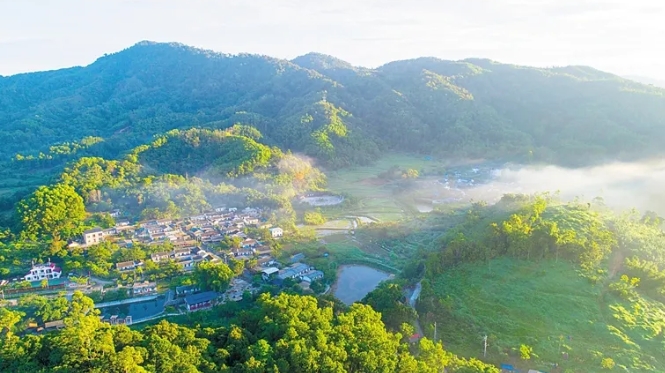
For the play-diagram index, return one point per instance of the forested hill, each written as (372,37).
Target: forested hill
(331,110)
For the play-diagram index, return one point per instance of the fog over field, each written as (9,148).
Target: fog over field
(620,185)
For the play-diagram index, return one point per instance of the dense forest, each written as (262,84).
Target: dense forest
(286,333)
(340,115)
(329,109)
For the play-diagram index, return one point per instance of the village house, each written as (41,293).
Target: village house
(240,251)
(43,271)
(143,288)
(200,301)
(179,253)
(160,257)
(262,250)
(276,232)
(93,236)
(293,271)
(125,243)
(186,290)
(266,261)
(188,265)
(128,266)
(181,243)
(268,273)
(250,221)
(312,276)
(249,243)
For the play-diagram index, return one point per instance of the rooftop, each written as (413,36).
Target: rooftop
(270,270)
(201,297)
(93,230)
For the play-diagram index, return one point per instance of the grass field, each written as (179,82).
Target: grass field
(549,307)
(375,198)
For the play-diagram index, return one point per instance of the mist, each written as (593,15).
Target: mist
(621,185)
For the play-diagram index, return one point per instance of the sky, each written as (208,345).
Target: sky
(620,36)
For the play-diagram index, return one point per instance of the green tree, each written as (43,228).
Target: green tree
(236,266)
(314,217)
(55,212)
(213,276)
(388,299)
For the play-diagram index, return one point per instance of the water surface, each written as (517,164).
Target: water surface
(356,281)
(139,310)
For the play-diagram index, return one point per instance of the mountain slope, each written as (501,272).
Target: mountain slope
(471,108)
(646,80)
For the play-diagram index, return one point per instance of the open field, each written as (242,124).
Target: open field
(549,307)
(375,197)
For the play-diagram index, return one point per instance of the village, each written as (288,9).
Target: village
(192,240)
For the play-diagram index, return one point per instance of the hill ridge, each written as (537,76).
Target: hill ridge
(572,116)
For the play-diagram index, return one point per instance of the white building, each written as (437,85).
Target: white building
(43,271)
(93,236)
(276,232)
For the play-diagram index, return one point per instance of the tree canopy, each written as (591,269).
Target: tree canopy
(51,213)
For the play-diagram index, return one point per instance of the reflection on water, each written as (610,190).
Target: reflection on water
(137,310)
(356,281)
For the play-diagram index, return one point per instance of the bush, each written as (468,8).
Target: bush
(314,218)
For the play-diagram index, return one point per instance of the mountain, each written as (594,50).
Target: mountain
(331,110)
(646,80)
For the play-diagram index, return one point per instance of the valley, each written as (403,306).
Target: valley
(201,212)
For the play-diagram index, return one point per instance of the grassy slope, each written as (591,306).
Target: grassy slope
(536,304)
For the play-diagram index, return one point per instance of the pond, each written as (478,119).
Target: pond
(139,310)
(356,281)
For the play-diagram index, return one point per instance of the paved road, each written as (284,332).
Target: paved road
(412,303)
(416,294)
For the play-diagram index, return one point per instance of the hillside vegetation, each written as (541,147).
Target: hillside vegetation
(286,333)
(548,283)
(332,110)
(339,114)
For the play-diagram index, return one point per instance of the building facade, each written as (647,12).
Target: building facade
(44,271)
(93,236)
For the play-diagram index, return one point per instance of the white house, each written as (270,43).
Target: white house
(276,232)
(43,271)
(93,236)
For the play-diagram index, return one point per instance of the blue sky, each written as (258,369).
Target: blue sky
(620,36)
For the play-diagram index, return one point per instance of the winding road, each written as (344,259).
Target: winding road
(413,298)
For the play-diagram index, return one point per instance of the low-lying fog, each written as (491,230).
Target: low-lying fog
(620,185)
